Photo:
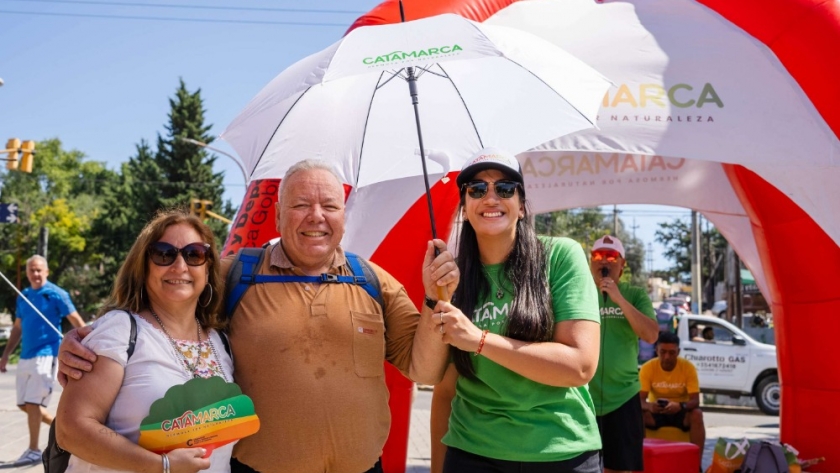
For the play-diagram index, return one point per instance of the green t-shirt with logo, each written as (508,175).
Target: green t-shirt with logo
(617,378)
(506,416)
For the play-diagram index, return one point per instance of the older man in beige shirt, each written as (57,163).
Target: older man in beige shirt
(311,355)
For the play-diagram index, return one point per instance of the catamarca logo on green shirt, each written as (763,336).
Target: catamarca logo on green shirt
(403,55)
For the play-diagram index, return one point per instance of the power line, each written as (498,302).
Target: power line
(160,183)
(195,7)
(194,20)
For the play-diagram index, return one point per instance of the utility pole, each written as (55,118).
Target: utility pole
(615,220)
(650,258)
(43,241)
(696,274)
(18,258)
(634,227)
(734,293)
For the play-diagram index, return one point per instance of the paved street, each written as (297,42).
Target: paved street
(14,436)
(725,422)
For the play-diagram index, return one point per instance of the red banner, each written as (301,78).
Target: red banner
(255,222)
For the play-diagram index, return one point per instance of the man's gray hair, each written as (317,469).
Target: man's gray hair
(34,258)
(308,165)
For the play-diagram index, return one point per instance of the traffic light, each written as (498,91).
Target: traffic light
(13,148)
(28,149)
(199,207)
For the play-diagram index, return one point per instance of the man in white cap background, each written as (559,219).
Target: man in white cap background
(626,316)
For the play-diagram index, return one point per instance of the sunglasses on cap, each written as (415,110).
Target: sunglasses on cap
(610,255)
(478,189)
(164,254)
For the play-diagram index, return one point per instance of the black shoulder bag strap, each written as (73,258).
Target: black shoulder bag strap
(55,458)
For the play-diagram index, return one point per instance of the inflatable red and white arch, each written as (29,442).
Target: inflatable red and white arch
(730,108)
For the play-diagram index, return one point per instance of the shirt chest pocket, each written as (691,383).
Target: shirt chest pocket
(368,344)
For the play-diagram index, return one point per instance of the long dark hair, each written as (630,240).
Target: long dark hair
(531,317)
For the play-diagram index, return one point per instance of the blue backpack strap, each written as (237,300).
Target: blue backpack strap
(242,275)
(364,276)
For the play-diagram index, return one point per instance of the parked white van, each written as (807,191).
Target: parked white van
(729,361)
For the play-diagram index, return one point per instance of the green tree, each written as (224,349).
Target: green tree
(586,225)
(62,194)
(676,237)
(94,214)
(129,200)
(166,177)
(187,168)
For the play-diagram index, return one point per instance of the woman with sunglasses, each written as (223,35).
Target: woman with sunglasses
(523,325)
(170,284)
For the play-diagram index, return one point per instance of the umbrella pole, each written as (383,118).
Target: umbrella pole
(412,89)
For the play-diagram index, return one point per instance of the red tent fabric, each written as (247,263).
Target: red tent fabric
(791,227)
(805,36)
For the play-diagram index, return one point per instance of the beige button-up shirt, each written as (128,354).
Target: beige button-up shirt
(311,358)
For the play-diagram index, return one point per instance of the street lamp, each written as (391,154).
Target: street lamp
(205,145)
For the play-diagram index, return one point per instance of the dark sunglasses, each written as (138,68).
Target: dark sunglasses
(610,255)
(164,254)
(478,189)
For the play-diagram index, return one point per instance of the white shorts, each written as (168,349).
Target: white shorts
(35,378)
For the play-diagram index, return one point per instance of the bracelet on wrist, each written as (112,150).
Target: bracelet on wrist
(481,342)
(429,302)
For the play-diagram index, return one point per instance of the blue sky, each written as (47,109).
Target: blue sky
(98,74)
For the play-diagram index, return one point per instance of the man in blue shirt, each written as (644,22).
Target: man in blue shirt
(37,366)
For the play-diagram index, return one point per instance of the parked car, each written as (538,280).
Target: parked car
(680,304)
(732,362)
(719,308)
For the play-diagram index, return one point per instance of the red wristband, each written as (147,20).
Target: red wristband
(481,342)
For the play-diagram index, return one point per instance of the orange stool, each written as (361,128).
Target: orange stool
(664,456)
(673,434)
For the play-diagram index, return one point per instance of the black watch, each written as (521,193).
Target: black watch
(430,303)
(682,406)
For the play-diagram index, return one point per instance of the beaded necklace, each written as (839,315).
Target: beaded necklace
(191,368)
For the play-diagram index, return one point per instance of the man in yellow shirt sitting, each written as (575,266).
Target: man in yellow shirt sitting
(670,393)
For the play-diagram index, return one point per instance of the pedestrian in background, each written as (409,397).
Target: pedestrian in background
(39,340)
(627,315)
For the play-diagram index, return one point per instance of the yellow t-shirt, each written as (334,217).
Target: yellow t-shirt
(673,385)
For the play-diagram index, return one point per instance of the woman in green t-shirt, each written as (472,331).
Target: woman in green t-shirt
(515,396)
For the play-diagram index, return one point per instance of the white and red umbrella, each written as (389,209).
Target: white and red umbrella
(369,102)
(727,107)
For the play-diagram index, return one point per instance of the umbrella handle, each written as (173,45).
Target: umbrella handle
(443,294)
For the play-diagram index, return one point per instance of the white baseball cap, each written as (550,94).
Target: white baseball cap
(490,158)
(608,242)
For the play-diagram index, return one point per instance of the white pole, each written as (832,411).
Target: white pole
(217,150)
